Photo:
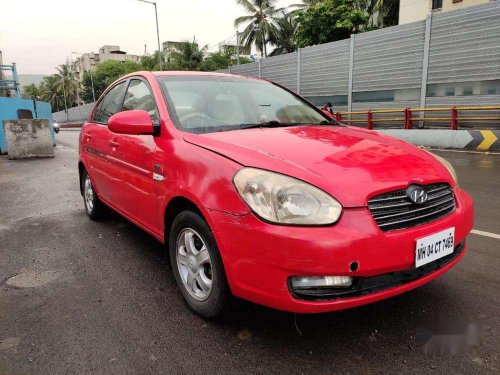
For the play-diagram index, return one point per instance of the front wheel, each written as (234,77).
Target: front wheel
(197,265)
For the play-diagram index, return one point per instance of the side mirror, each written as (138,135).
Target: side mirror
(135,122)
(328,113)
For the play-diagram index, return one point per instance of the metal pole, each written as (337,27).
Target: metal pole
(92,83)
(238,47)
(158,36)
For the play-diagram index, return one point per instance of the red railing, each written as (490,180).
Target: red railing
(408,117)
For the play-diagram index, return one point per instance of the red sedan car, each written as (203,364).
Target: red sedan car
(258,194)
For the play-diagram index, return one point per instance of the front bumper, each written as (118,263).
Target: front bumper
(259,258)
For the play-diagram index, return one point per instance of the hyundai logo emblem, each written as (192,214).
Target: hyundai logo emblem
(417,194)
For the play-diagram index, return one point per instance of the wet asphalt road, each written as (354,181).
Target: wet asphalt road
(100,297)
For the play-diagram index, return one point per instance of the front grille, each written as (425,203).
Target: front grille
(367,285)
(395,210)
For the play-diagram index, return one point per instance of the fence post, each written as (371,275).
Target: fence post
(454,120)
(425,66)
(351,67)
(408,119)
(369,120)
(338,116)
(298,69)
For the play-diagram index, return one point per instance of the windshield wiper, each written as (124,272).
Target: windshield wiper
(272,124)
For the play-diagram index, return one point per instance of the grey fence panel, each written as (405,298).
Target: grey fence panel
(281,69)
(389,58)
(465,45)
(324,69)
(249,70)
(76,115)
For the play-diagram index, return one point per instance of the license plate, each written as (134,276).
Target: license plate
(435,246)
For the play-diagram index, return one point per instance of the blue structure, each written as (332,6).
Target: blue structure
(11,85)
(9,111)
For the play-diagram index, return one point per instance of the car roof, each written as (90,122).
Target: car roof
(188,74)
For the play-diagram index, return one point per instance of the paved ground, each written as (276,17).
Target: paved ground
(99,297)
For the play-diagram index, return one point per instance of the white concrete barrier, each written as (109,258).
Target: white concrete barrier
(28,138)
(479,140)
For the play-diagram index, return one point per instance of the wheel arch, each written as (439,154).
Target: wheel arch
(175,206)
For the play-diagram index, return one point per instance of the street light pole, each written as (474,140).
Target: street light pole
(157,30)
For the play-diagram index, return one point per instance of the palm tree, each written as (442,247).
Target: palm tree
(67,83)
(283,38)
(260,23)
(33,92)
(51,92)
(188,56)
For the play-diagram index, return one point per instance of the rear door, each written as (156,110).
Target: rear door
(133,159)
(96,141)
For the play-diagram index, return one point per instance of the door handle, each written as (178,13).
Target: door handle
(114,144)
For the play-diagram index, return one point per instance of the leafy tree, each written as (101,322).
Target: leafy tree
(221,60)
(104,74)
(150,63)
(188,57)
(67,84)
(328,21)
(260,23)
(283,39)
(52,92)
(33,92)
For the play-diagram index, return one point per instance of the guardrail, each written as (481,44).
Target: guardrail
(408,117)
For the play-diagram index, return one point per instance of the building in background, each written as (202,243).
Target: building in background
(416,10)
(90,60)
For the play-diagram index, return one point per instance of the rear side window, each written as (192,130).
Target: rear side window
(139,97)
(110,104)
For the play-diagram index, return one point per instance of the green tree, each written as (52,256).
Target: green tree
(260,23)
(150,63)
(33,92)
(283,39)
(188,57)
(104,74)
(52,92)
(221,60)
(67,84)
(330,20)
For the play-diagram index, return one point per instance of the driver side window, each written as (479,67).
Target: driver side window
(138,96)
(110,104)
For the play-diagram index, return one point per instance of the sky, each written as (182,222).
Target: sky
(40,34)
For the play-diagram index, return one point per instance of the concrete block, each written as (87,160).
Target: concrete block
(28,138)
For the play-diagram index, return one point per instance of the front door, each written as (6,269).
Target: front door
(96,141)
(133,159)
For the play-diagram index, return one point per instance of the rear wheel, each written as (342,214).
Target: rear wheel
(93,206)
(197,265)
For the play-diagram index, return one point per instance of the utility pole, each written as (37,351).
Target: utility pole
(157,31)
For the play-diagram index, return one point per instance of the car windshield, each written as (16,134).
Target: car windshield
(204,104)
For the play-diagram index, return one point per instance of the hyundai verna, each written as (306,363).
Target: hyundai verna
(258,194)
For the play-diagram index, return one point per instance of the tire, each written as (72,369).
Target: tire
(201,280)
(95,209)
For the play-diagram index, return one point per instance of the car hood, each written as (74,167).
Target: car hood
(349,163)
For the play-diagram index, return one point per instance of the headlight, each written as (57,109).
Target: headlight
(448,166)
(285,200)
